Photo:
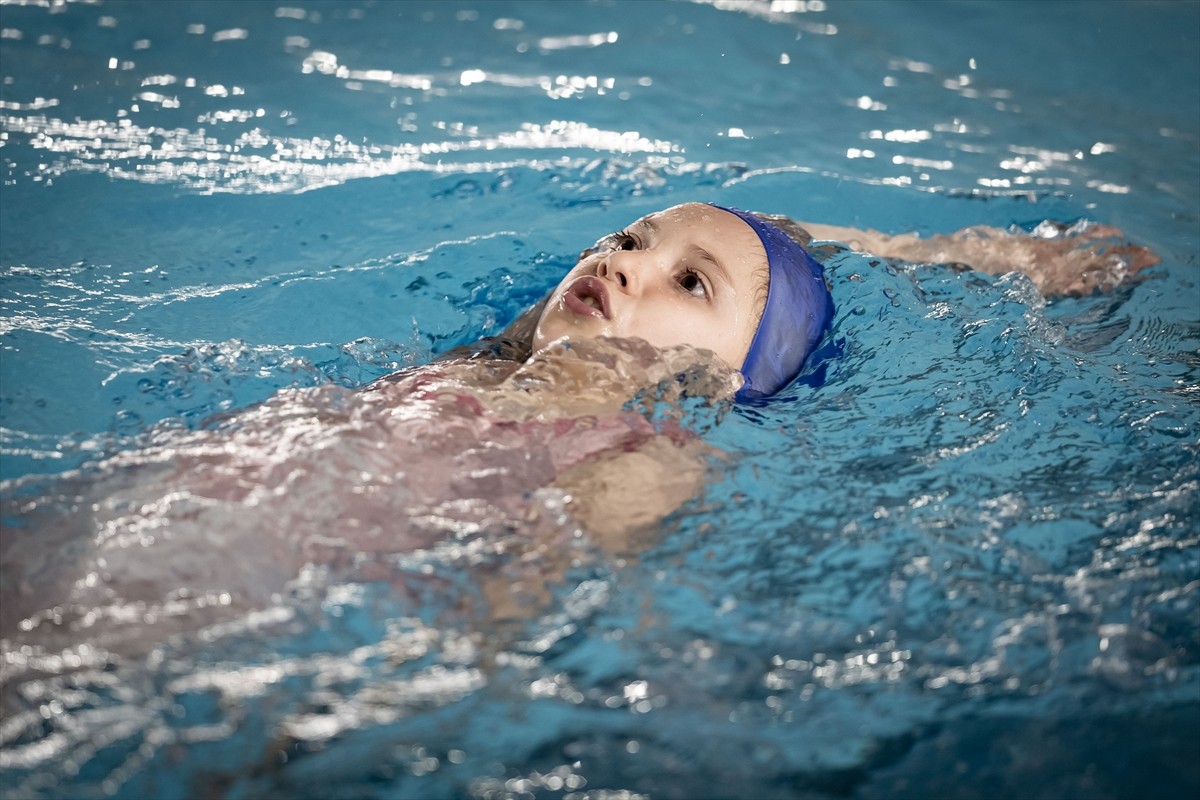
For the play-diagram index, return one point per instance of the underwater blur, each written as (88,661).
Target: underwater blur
(959,558)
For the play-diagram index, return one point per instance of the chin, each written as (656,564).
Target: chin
(543,337)
(555,326)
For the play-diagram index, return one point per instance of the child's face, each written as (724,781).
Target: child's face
(692,275)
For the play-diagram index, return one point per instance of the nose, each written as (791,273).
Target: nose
(620,268)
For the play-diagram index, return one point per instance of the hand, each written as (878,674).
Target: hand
(1079,259)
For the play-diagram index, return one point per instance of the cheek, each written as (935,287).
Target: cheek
(729,337)
(731,351)
(709,331)
(744,339)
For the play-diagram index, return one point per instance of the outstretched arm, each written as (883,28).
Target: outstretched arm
(1075,260)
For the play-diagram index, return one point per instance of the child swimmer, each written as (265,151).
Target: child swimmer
(490,446)
(743,286)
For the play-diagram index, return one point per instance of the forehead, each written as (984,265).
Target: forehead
(725,237)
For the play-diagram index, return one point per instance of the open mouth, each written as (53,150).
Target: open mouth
(588,296)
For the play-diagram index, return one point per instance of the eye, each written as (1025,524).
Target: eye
(690,281)
(622,240)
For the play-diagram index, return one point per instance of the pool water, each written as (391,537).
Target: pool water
(964,564)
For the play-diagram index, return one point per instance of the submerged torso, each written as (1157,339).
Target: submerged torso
(203,526)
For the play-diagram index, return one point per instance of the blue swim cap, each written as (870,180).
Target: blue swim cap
(798,312)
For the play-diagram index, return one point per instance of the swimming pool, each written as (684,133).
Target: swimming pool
(965,565)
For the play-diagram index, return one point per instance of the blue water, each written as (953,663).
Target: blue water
(966,565)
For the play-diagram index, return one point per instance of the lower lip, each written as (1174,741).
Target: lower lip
(577,306)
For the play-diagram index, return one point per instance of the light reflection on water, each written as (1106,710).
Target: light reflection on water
(256,163)
(243,149)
